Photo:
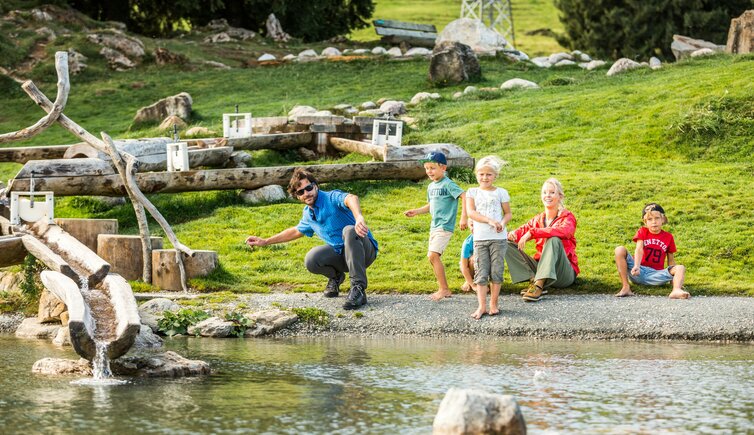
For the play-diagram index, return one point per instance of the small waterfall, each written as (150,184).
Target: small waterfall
(101,374)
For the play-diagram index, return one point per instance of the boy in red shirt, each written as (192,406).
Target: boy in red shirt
(652,246)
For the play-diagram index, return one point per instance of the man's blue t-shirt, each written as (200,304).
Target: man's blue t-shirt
(327,218)
(443,203)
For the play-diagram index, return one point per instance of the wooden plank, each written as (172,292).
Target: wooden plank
(405,25)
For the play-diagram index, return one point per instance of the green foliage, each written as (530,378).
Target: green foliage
(12,301)
(31,286)
(638,29)
(240,323)
(358,315)
(312,315)
(174,323)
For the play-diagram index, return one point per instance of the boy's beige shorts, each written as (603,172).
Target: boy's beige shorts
(438,240)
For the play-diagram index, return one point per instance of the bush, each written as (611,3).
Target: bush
(638,29)
(174,323)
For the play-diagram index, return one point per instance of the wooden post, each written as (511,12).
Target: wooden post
(87,230)
(124,253)
(165,274)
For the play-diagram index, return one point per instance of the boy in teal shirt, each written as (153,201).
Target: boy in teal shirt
(442,204)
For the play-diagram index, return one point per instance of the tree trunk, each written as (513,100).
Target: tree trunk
(356,146)
(220,179)
(165,273)
(276,141)
(24,154)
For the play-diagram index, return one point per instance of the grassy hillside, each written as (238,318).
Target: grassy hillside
(681,136)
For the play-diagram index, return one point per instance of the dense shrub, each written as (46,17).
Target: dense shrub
(306,19)
(640,28)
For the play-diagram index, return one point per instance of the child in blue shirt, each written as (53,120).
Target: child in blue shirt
(442,198)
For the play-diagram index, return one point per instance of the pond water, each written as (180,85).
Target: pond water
(352,385)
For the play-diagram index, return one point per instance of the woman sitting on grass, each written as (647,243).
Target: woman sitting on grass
(555,264)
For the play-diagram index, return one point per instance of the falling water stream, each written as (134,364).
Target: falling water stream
(101,374)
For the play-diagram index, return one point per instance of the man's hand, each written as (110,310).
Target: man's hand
(361,227)
(411,213)
(256,241)
(464,223)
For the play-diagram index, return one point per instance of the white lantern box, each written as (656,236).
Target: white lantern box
(30,207)
(178,159)
(387,132)
(236,125)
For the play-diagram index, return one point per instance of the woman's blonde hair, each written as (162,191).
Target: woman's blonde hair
(492,162)
(558,189)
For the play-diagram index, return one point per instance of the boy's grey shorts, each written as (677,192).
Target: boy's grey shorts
(648,275)
(489,261)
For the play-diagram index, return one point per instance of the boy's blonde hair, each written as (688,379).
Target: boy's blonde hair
(558,188)
(491,162)
(653,207)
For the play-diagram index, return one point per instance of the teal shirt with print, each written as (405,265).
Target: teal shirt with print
(443,203)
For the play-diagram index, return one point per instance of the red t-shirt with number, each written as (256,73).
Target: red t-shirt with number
(656,247)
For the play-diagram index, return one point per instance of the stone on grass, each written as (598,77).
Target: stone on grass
(76,62)
(683,46)
(703,52)
(300,111)
(565,62)
(741,34)
(218,38)
(519,84)
(395,52)
(331,52)
(178,105)
(199,131)
(655,63)
(419,97)
(393,107)
(264,195)
(289,57)
(622,65)
(542,62)
(152,311)
(360,51)
(218,65)
(270,321)
(32,328)
(516,55)
(307,53)
(453,63)
(457,95)
(470,89)
(557,57)
(367,105)
(172,121)
(418,51)
(120,42)
(469,411)
(594,64)
(116,60)
(214,327)
(379,50)
(266,57)
(473,33)
(163,56)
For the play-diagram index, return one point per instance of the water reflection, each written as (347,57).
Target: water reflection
(394,385)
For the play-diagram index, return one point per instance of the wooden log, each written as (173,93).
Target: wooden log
(135,147)
(24,154)
(82,151)
(269,124)
(61,65)
(127,321)
(278,141)
(124,253)
(356,146)
(83,260)
(405,25)
(50,259)
(165,273)
(455,154)
(80,322)
(212,157)
(87,230)
(226,179)
(12,251)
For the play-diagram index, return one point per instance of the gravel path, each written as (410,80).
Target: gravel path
(562,316)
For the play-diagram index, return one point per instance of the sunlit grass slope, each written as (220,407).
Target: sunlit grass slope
(680,136)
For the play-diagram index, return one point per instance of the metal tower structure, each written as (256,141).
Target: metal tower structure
(495,14)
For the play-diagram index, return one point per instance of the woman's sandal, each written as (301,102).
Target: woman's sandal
(523,292)
(533,294)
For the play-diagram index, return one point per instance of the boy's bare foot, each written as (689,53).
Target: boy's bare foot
(679,294)
(624,292)
(494,311)
(440,295)
(478,313)
(466,287)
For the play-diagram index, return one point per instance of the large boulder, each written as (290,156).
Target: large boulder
(167,365)
(76,62)
(453,63)
(152,311)
(178,105)
(264,195)
(270,321)
(683,46)
(741,34)
(622,65)
(116,60)
(473,33)
(31,327)
(214,327)
(133,48)
(50,307)
(468,411)
(163,56)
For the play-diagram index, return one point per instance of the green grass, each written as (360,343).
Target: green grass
(528,16)
(680,136)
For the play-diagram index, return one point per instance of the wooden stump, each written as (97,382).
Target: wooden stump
(124,253)
(165,273)
(87,230)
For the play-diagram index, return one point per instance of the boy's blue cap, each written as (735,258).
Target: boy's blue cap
(652,206)
(436,157)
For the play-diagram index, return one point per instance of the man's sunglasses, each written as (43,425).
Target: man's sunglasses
(308,188)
